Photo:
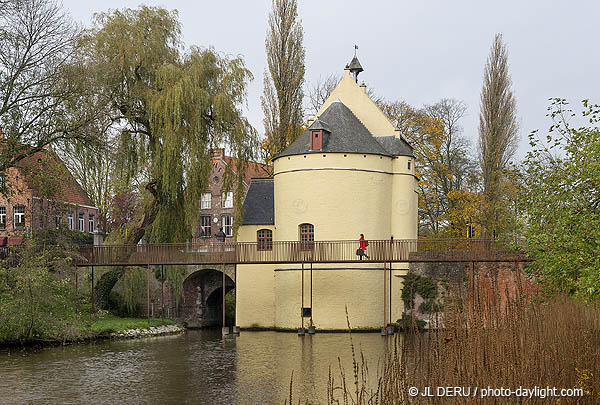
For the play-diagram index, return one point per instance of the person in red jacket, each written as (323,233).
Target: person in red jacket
(362,248)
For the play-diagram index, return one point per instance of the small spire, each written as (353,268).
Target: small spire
(354,66)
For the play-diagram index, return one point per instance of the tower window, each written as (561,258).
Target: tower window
(264,237)
(307,236)
(409,165)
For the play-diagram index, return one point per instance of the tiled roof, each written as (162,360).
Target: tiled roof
(348,135)
(70,191)
(395,146)
(253,169)
(258,208)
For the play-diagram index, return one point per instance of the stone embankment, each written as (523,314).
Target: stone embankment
(151,331)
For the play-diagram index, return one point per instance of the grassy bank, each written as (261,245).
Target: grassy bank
(109,324)
(87,328)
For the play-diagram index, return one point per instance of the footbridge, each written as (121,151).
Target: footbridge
(205,293)
(199,252)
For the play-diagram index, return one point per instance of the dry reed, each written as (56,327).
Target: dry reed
(488,336)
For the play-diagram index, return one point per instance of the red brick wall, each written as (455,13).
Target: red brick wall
(216,189)
(18,194)
(39,213)
(495,286)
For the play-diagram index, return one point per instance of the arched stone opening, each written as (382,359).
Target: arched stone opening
(201,306)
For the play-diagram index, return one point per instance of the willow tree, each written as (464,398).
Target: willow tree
(497,132)
(283,81)
(169,107)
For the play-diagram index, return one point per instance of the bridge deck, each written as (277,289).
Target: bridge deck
(341,251)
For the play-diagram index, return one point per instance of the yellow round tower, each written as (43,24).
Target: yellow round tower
(349,173)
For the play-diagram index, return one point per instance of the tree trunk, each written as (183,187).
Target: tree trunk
(108,280)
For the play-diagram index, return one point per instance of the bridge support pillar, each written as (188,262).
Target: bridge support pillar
(148,292)
(391,320)
(384,298)
(92,294)
(224,329)
(236,329)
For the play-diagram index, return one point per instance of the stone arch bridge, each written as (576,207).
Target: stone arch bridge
(202,302)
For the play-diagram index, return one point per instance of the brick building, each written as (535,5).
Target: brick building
(41,193)
(216,204)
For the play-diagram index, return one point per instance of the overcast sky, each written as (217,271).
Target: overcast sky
(416,51)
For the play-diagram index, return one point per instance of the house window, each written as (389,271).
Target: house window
(57,220)
(91,223)
(2,217)
(70,218)
(2,181)
(264,237)
(228,225)
(205,226)
(205,200)
(307,236)
(227,200)
(81,222)
(19,216)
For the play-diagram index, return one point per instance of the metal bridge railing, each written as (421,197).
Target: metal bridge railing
(341,251)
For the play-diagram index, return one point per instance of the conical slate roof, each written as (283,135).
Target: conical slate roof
(355,65)
(395,146)
(318,124)
(348,135)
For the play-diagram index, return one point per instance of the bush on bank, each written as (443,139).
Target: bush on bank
(39,302)
(37,299)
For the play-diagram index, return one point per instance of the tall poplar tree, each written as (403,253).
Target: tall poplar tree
(169,107)
(497,133)
(283,81)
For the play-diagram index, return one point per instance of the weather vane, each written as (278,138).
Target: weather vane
(355,49)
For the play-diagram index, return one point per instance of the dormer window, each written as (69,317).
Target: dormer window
(318,135)
(316,139)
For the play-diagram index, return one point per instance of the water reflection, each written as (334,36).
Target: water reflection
(198,367)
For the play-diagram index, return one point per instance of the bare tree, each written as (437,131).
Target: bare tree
(444,164)
(318,93)
(497,131)
(39,88)
(455,147)
(282,98)
(93,168)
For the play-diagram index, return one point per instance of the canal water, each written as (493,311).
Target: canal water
(198,367)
